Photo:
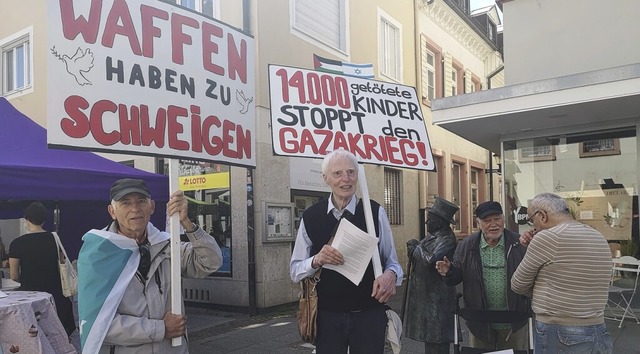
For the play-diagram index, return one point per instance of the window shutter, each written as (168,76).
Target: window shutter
(322,20)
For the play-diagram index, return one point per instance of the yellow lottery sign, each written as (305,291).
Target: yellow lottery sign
(208,181)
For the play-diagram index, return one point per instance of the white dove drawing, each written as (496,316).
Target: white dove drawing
(78,64)
(244,102)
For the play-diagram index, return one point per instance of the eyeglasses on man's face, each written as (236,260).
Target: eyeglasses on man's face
(530,218)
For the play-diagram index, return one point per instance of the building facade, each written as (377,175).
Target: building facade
(434,46)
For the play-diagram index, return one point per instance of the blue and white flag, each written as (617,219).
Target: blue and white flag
(364,71)
(106,264)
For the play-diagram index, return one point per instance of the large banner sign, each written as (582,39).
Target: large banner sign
(314,113)
(145,77)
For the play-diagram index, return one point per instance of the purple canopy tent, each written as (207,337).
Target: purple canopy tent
(76,182)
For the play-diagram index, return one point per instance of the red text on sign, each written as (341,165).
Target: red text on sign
(210,134)
(398,151)
(119,23)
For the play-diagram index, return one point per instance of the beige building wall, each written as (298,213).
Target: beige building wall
(575,43)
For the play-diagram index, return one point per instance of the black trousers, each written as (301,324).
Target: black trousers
(361,332)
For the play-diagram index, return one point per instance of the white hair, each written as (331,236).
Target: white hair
(336,154)
(549,202)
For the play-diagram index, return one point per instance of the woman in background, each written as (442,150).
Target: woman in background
(33,261)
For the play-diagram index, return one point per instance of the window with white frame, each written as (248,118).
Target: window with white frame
(429,74)
(16,62)
(323,21)
(390,47)
(206,7)
(393,196)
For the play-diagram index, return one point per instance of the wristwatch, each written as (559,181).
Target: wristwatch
(195,228)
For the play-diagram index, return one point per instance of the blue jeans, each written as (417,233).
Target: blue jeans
(362,332)
(551,339)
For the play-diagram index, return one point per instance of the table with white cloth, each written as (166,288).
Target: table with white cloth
(29,324)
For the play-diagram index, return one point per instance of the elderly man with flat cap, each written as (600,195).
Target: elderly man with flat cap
(124,275)
(484,262)
(429,304)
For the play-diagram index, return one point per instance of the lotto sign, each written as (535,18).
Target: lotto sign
(208,181)
(148,77)
(314,113)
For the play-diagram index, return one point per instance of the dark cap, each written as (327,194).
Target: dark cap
(488,208)
(124,186)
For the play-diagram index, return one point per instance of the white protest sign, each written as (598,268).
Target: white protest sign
(150,78)
(313,113)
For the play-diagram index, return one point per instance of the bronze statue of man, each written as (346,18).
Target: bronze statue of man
(429,306)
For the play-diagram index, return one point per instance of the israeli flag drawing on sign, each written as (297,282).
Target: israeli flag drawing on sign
(106,264)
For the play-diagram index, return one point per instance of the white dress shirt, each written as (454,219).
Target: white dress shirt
(300,265)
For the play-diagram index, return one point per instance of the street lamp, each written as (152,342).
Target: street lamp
(491,171)
(496,159)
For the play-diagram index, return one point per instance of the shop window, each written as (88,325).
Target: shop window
(390,47)
(302,200)
(537,153)
(600,190)
(207,188)
(321,21)
(393,196)
(16,62)
(600,147)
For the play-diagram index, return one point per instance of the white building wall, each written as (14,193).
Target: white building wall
(546,39)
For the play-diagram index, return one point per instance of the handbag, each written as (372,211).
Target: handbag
(68,274)
(308,298)
(308,308)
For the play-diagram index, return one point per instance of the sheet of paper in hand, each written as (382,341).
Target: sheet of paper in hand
(356,247)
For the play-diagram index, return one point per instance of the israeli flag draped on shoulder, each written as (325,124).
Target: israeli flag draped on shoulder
(106,264)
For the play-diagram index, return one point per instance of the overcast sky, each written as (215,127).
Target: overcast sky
(476,4)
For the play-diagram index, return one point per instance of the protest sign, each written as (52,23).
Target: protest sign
(148,77)
(313,113)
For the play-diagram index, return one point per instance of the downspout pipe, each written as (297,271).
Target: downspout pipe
(492,74)
(251,246)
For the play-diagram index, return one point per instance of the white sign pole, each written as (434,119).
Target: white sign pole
(174,225)
(362,181)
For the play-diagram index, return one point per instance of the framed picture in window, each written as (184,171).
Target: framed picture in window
(599,147)
(537,153)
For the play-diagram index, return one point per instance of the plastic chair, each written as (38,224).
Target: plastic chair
(622,289)
(488,316)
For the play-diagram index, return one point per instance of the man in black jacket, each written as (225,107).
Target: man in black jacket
(485,262)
